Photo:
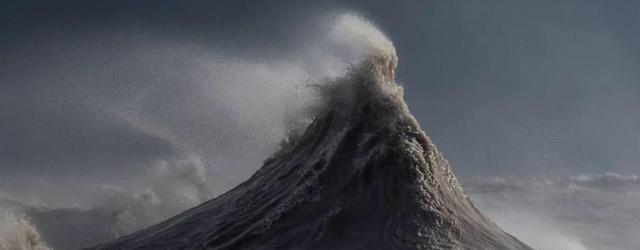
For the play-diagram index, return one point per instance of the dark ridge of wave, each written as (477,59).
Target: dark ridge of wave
(362,176)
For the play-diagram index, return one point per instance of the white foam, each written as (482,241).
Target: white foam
(18,233)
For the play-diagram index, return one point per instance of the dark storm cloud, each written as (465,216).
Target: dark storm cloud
(254,26)
(51,138)
(60,58)
(502,86)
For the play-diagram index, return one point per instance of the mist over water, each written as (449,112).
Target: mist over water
(577,212)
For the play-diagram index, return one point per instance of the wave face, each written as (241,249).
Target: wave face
(362,170)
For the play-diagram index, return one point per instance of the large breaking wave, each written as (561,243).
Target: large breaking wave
(363,169)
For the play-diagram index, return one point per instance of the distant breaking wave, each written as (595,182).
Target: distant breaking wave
(569,213)
(180,185)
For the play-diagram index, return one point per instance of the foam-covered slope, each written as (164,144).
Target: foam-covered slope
(362,176)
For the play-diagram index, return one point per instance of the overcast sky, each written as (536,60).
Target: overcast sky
(502,87)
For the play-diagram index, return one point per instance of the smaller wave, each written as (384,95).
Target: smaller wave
(607,182)
(180,185)
(18,233)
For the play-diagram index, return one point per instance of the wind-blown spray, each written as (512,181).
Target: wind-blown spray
(363,175)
